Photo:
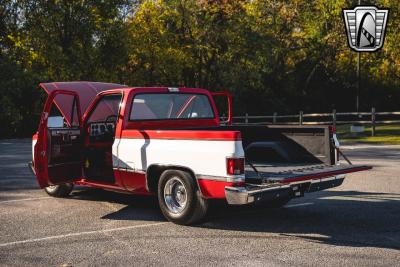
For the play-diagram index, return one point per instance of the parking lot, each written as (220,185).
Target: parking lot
(356,224)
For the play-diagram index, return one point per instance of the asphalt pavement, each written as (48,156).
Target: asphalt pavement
(356,224)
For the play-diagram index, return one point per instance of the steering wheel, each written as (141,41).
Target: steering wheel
(113,119)
(111,116)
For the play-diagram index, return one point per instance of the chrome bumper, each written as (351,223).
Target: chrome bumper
(264,193)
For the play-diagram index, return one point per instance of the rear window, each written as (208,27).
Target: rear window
(171,106)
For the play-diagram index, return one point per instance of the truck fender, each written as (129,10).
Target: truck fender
(154,172)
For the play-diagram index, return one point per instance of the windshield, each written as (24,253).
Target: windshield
(171,106)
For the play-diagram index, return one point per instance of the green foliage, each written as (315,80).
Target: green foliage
(276,55)
(384,134)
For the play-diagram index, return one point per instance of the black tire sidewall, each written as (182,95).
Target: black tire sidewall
(184,216)
(61,190)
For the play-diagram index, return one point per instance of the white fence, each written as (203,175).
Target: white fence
(365,118)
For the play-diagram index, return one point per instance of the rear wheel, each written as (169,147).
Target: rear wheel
(179,198)
(61,190)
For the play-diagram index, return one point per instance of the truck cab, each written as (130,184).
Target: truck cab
(170,142)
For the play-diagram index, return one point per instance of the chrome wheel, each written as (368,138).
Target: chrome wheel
(175,195)
(52,187)
(179,197)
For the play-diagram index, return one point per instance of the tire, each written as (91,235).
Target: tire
(61,190)
(179,198)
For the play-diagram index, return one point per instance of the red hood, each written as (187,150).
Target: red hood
(87,91)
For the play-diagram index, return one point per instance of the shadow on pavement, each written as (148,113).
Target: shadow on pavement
(339,218)
(137,207)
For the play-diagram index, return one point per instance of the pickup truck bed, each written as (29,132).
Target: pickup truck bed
(287,161)
(284,154)
(280,145)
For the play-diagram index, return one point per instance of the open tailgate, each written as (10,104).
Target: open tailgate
(270,183)
(289,174)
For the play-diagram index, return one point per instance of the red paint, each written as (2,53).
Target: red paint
(134,181)
(106,186)
(182,135)
(213,189)
(41,147)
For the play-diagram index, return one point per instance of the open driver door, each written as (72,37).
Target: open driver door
(57,153)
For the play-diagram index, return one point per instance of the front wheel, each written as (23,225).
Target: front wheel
(179,198)
(61,190)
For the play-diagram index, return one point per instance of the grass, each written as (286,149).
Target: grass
(384,134)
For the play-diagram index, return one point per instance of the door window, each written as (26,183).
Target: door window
(107,109)
(69,117)
(102,120)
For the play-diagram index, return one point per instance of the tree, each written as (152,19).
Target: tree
(273,55)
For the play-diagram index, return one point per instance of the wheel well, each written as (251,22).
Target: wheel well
(154,172)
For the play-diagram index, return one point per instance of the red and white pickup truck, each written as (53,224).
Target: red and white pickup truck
(170,142)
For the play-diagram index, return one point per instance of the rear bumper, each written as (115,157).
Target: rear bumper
(264,193)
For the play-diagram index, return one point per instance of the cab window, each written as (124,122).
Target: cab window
(170,106)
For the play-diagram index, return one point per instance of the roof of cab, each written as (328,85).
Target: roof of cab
(87,91)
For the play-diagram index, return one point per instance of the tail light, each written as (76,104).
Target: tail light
(235,166)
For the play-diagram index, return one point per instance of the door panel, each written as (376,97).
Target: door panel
(58,150)
(64,159)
